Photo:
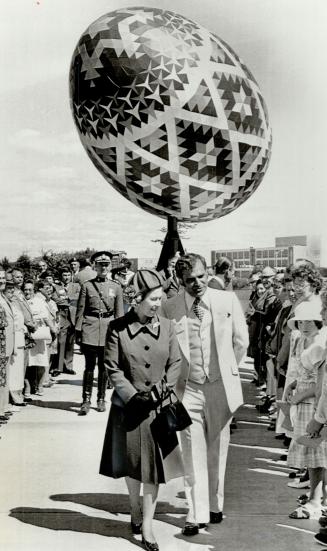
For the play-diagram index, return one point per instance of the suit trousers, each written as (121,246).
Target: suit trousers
(64,357)
(204,448)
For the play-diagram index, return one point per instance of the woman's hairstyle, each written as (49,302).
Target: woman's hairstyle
(308,274)
(63,270)
(317,323)
(30,281)
(258,282)
(41,284)
(47,273)
(187,263)
(223,264)
(126,263)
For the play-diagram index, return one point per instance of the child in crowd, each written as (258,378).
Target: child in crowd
(310,352)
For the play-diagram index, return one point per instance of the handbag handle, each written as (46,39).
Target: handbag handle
(160,397)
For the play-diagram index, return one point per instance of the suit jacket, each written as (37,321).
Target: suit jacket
(22,303)
(231,339)
(72,290)
(10,329)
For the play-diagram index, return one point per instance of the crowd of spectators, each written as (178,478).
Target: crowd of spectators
(37,326)
(286,317)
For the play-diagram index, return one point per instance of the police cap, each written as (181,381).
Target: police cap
(102,257)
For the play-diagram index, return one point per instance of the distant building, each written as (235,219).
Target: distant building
(285,252)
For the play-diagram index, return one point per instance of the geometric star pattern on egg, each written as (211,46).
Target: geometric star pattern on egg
(169,114)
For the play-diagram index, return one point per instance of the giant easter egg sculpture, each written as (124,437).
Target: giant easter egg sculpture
(169,114)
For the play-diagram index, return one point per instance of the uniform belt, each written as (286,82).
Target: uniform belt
(102,315)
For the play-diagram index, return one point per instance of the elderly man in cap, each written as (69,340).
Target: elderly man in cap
(100,300)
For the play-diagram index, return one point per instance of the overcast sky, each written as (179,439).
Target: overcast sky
(52,197)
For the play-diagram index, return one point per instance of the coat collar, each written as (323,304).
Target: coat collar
(135,327)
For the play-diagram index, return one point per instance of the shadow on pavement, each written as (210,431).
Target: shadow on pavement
(73,382)
(119,503)
(67,406)
(64,519)
(115,503)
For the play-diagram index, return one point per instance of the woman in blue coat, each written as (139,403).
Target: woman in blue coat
(141,349)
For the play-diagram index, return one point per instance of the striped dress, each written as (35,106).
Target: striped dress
(309,359)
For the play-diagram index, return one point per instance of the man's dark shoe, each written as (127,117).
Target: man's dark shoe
(216,518)
(69,371)
(85,408)
(321,537)
(55,373)
(101,404)
(190,529)
(233,424)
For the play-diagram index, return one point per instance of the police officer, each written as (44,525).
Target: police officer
(100,300)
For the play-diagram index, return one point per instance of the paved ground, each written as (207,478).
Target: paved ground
(52,498)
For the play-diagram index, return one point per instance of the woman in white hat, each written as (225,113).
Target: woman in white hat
(309,353)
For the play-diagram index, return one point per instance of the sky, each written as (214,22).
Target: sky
(53,198)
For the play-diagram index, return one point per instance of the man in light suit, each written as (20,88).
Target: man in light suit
(213,338)
(224,272)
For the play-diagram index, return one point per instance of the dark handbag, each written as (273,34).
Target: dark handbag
(171,416)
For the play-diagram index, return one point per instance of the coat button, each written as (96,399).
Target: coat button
(147,347)
(147,383)
(147,365)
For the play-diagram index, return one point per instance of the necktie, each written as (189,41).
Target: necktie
(197,309)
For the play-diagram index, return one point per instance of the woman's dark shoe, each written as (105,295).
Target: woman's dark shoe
(150,546)
(136,527)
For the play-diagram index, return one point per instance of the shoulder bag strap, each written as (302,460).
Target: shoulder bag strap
(101,297)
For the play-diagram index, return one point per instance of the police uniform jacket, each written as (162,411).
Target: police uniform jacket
(99,302)
(137,356)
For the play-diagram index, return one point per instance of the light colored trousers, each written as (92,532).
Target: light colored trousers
(204,448)
(271,378)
